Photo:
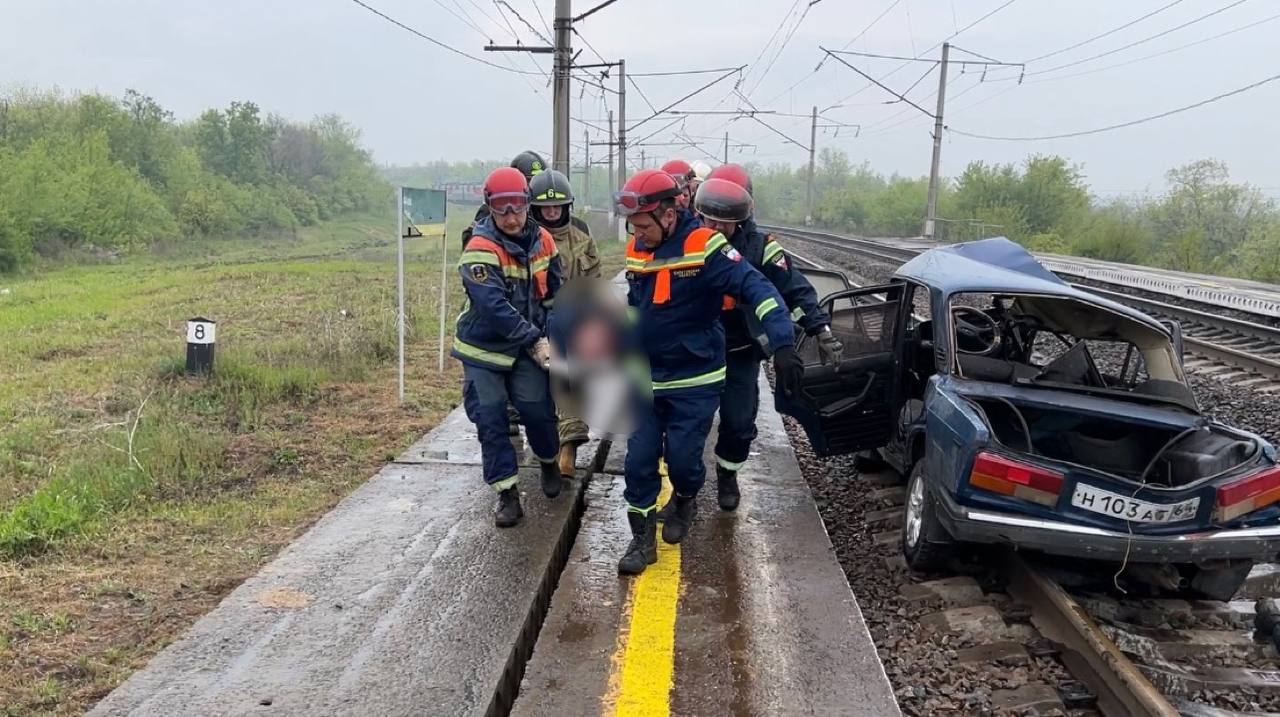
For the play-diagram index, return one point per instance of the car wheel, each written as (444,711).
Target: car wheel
(925,543)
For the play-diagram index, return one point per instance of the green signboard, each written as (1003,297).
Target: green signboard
(424,211)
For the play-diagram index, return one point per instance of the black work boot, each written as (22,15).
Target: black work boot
(727,488)
(508,511)
(643,549)
(667,510)
(684,507)
(551,479)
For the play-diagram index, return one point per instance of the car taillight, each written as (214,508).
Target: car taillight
(1020,480)
(1248,494)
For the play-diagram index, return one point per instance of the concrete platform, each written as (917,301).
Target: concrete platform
(752,614)
(403,600)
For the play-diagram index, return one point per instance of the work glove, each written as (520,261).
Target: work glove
(540,351)
(788,369)
(830,350)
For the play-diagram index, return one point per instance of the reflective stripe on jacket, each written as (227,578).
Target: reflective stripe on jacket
(509,289)
(677,291)
(767,255)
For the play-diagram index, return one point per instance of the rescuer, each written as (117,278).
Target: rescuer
(678,275)
(683,173)
(510,273)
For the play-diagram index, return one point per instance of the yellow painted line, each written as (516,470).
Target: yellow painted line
(644,664)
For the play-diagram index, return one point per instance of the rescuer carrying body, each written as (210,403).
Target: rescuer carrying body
(579,257)
(511,274)
(678,275)
(725,205)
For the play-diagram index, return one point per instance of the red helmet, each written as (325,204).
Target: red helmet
(735,173)
(722,200)
(680,169)
(645,191)
(506,191)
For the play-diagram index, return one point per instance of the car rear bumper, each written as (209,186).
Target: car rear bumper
(975,525)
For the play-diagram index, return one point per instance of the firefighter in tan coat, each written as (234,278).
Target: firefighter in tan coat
(579,257)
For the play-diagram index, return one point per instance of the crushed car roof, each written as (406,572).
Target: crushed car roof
(1000,266)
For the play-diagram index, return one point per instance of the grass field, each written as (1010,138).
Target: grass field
(133,497)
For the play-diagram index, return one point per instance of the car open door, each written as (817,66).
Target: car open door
(850,407)
(825,281)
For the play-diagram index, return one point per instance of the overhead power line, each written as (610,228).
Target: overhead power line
(438,43)
(953,35)
(1112,31)
(534,30)
(1133,44)
(1153,55)
(1121,125)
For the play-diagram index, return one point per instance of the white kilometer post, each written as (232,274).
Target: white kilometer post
(400,283)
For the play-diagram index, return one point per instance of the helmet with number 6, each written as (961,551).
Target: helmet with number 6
(551,189)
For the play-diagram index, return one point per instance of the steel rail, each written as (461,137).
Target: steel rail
(1122,689)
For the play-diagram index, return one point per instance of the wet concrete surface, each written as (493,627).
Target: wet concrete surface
(404,600)
(766,622)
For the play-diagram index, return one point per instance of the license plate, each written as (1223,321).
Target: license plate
(1115,505)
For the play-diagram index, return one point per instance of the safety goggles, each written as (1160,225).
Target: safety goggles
(508,202)
(628,203)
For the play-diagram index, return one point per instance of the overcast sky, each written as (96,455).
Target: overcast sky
(416,102)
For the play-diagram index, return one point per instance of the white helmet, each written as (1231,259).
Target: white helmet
(700,170)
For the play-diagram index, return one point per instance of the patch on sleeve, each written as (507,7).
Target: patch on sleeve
(479,273)
(730,252)
(780,261)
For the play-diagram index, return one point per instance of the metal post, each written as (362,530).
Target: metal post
(586,171)
(813,144)
(726,149)
(400,285)
(644,159)
(608,185)
(444,295)
(622,140)
(932,213)
(560,92)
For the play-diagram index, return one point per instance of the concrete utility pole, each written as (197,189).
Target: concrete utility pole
(643,159)
(560,90)
(931,215)
(813,145)
(609,179)
(622,123)
(622,139)
(726,149)
(586,171)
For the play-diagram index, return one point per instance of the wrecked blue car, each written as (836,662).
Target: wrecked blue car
(1030,413)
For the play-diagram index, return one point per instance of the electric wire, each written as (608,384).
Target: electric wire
(437,42)
(1130,123)
(1110,32)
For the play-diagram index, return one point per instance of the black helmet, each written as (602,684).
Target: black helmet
(530,164)
(551,189)
(722,200)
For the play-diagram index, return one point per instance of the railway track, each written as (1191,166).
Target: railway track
(1233,349)
(1127,656)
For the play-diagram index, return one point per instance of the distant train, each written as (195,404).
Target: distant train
(463,192)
